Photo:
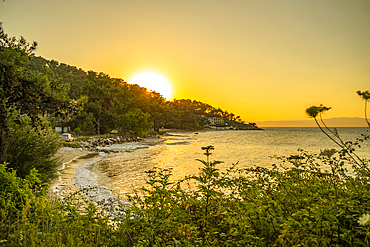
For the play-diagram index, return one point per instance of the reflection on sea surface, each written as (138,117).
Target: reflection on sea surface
(125,171)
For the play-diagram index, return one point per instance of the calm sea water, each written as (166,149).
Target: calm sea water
(125,171)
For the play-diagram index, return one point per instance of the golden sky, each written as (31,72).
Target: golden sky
(260,59)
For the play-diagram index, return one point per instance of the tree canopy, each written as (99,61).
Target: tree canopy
(30,91)
(92,102)
(106,101)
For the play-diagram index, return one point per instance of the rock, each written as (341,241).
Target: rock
(95,144)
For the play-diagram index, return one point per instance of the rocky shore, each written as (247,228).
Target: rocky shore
(76,170)
(96,144)
(70,159)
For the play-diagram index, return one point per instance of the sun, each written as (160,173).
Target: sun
(153,82)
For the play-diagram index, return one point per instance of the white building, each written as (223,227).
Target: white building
(215,120)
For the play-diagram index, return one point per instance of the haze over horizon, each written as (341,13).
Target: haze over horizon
(263,60)
(330,122)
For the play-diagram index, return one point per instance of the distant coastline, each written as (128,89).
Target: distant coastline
(331,122)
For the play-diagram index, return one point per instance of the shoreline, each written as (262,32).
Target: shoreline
(71,159)
(76,171)
(78,175)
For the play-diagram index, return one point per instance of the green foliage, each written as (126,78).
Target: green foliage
(90,101)
(77,131)
(31,146)
(289,205)
(100,101)
(85,122)
(66,222)
(305,200)
(17,193)
(103,101)
(136,121)
(30,91)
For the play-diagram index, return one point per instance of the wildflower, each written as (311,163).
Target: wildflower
(364,219)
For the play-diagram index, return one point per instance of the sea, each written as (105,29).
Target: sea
(123,170)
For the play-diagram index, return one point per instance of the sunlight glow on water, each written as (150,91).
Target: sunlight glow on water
(126,170)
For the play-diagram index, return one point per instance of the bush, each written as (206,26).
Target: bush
(77,131)
(298,203)
(16,192)
(28,219)
(32,145)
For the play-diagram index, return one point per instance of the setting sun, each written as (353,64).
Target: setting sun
(153,82)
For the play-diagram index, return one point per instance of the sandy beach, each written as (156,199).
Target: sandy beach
(71,159)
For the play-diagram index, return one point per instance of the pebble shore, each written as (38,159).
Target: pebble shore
(76,172)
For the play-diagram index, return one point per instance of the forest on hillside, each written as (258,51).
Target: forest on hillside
(100,103)
(93,102)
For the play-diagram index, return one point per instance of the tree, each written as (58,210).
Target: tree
(29,91)
(13,54)
(136,121)
(98,89)
(157,110)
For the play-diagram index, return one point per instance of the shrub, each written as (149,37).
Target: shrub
(295,203)
(32,146)
(37,222)
(77,131)
(16,192)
